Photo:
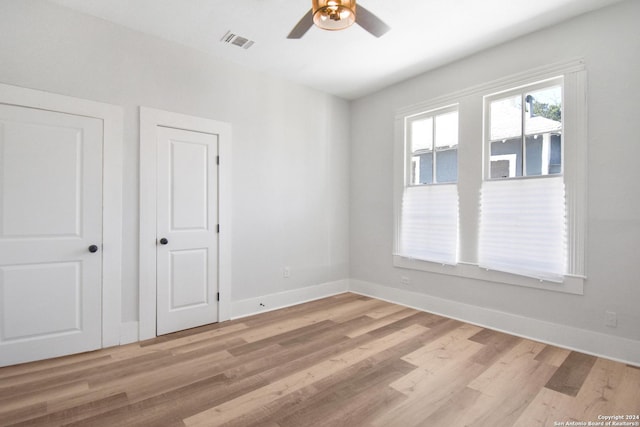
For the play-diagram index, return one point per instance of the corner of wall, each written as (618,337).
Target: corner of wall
(129,332)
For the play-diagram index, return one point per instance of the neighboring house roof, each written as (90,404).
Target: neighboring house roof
(506,120)
(446,132)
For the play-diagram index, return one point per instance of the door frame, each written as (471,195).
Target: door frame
(112,134)
(150,119)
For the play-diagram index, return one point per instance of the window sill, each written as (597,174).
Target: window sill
(570,285)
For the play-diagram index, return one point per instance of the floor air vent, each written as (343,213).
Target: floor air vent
(237,40)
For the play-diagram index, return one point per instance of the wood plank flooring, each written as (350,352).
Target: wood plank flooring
(347,360)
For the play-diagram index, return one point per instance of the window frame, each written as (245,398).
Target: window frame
(408,164)
(508,93)
(433,113)
(470,148)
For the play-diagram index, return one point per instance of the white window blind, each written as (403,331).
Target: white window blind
(429,223)
(523,227)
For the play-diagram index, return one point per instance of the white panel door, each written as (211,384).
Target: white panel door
(50,216)
(187,238)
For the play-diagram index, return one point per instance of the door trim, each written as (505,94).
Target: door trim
(150,119)
(112,119)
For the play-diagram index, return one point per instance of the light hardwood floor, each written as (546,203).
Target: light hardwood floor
(347,360)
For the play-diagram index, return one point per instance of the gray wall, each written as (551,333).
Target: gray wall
(290,143)
(609,41)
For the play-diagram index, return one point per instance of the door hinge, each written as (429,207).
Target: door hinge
(218,228)
(217,160)
(218,296)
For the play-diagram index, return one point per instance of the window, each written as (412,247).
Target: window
(430,198)
(433,139)
(525,131)
(511,207)
(522,203)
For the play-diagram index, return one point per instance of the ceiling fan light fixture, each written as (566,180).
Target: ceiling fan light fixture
(334,14)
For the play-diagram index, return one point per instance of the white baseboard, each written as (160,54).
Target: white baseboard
(595,343)
(248,307)
(129,332)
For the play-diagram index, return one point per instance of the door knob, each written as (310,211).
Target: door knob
(93,248)
(163,241)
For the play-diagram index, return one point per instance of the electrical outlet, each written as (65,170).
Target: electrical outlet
(405,280)
(611,319)
(286,272)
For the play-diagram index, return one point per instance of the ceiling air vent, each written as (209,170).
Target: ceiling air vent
(237,40)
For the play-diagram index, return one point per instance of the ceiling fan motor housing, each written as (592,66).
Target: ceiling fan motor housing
(334,14)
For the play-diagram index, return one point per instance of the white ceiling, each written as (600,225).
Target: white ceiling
(424,34)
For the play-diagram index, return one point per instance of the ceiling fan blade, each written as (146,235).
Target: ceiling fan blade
(302,26)
(370,22)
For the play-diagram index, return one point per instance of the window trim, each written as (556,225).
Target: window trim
(574,172)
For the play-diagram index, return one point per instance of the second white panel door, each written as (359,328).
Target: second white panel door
(187,236)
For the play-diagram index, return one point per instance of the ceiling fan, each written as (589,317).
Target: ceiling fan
(338,15)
